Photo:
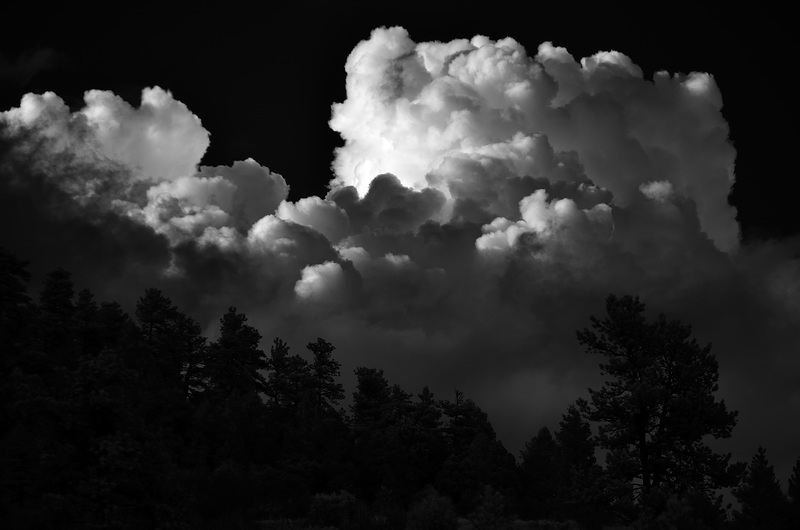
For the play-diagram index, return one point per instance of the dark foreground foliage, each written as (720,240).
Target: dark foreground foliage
(110,421)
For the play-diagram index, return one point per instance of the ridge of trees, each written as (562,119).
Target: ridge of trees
(113,421)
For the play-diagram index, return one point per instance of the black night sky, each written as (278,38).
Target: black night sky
(513,213)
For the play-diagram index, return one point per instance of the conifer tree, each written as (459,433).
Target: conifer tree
(581,495)
(541,480)
(657,405)
(289,376)
(763,504)
(157,316)
(234,360)
(324,371)
(192,351)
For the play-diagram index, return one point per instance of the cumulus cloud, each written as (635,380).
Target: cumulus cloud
(258,191)
(388,205)
(319,281)
(419,110)
(323,216)
(161,139)
(544,220)
(484,203)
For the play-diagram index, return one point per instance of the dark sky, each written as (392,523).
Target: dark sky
(448,282)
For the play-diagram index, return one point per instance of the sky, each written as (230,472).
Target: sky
(446,192)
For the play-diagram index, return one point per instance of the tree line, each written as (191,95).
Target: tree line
(110,420)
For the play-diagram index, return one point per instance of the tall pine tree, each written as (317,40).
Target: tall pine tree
(324,371)
(657,406)
(234,361)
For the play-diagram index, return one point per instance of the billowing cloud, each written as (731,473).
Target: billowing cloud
(412,107)
(483,205)
(323,216)
(319,281)
(388,205)
(158,140)
(258,191)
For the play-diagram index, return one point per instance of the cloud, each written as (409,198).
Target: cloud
(323,216)
(658,190)
(319,281)
(258,191)
(388,205)
(159,140)
(544,220)
(483,205)
(431,106)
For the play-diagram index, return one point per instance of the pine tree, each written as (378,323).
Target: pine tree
(372,399)
(324,371)
(375,440)
(426,445)
(192,351)
(574,440)
(476,457)
(763,504)
(581,496)
(157,317)
(658,405)
(289,376)
(234,361)
(541,480)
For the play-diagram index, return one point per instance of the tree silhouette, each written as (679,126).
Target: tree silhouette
(234,360)
(156,315)
(657,405)
(375,440)
(112,422)
(582,495)
(541,475)
(763,504)
(324,371)
(476,457)
(288,376)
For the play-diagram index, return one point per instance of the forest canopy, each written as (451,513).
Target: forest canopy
(111,420)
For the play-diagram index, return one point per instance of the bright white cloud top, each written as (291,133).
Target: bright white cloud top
(425,111)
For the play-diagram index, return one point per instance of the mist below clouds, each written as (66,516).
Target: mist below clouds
(483,205)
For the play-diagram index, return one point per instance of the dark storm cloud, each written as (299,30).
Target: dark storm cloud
(49,226)
(485,203)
